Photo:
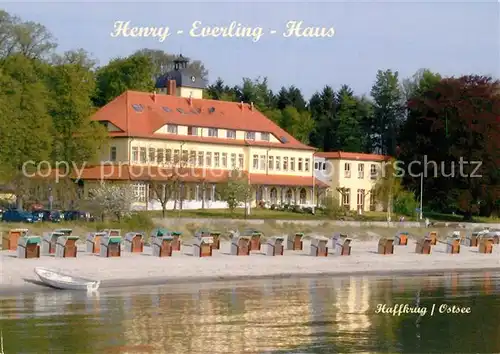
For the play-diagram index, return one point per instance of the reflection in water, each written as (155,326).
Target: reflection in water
(303,315)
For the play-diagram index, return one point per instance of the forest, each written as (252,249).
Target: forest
(47,97)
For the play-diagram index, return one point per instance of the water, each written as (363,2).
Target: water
(323,315)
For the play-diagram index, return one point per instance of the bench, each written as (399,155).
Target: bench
(110,246)
(28,247)
(134,242)
(319,247)
(93,242)
(202,245)
(294,243)
(433,235)
(49,242)
(401,238)
(240,245)
(10,240)
(423,246)
(453,245)
(486,245)
(386,246)
(66,247)
(162,246)
(274,246)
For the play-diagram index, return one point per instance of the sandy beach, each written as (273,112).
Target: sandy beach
(133,269)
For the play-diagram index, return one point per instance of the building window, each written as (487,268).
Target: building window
(347,170)
(135,154)
(262,162)
(278,163)
(213,132)
(176,156)
(285,164)
(112,153)
(200,159)
(172,129)
(271,162)
(250,135)
(159,156)
(231,134)
(316,164)
(233,160)
(303,196)
(143,155)
(192,130)
(373,200)
(255,162)
(224,159)
(346,198)
(192,158)
(292,163)
(361,199)
(185,157)
(306,165)
(208,159)
(241,161)
(324,166)
(361,171)
(216,159)
(264,136)
(152,155)
(168,156)
(299,164)
(373,171)
(140,192)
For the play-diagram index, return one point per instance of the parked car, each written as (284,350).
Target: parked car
(13,215)
(49,215)
(75,215)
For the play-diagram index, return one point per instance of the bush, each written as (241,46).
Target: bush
(405,204)
(139,222)
(332,208)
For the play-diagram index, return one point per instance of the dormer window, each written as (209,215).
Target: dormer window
(264,136)
(138,107)
(213,132)
(181,111)
(172,129)
(250,135)
(166,109)
(231,134)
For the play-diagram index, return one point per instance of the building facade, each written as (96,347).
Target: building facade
(351,177)
(175,134)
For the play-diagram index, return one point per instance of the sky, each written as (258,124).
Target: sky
(452,38)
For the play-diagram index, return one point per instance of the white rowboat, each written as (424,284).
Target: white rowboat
(67,282)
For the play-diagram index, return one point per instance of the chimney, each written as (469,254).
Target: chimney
(154,96)
(251,106)
(241,105)
(172,88)
(191,99)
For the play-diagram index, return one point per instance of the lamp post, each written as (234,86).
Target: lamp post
(421,195)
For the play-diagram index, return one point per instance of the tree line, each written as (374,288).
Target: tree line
(47,97)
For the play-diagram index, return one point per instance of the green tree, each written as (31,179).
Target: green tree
(388,110)
(236,190)
(135,72)
(26,125)
(298,124)
(76,139)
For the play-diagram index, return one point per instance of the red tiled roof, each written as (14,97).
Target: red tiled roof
(227,115)
(352,156)
(146,173)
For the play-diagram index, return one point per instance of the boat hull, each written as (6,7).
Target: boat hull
(65,282)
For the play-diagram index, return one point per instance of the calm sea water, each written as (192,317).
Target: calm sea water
(326,315)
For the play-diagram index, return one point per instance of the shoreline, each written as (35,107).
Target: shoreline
(165,281)
(17,275)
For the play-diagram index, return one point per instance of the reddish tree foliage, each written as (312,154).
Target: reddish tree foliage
(455,122)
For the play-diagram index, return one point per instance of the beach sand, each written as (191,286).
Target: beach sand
(133,269)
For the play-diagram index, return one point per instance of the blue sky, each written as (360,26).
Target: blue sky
(452,38)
